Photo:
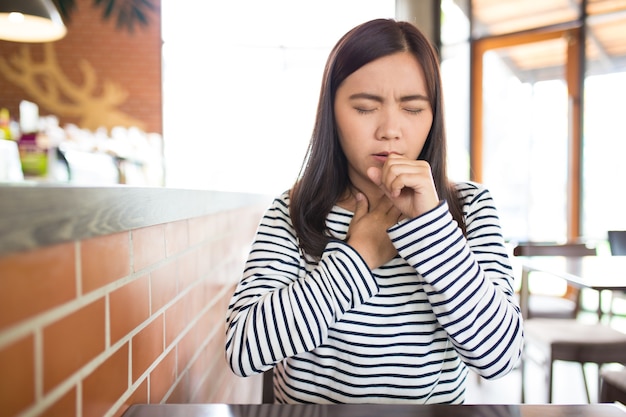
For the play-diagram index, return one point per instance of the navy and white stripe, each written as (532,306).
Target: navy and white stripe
(337,332)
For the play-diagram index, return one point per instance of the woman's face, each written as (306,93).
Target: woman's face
(382,108)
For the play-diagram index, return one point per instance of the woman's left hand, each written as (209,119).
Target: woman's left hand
(407,183)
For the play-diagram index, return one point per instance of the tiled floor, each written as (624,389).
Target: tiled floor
(568,384)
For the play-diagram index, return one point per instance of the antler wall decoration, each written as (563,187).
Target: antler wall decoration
(49,87)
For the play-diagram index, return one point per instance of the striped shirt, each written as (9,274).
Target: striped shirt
(407,332)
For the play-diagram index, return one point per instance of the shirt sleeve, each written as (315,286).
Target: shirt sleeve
(281,308)
(468,281)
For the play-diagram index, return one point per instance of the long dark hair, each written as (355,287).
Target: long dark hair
(324,175)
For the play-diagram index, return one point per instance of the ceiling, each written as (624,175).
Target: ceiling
(606,34)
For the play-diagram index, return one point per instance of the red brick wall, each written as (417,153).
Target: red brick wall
(130,60)
(90,327)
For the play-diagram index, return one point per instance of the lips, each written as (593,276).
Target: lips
(381,156)
(384,154)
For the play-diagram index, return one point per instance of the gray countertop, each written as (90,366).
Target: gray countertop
(36,215)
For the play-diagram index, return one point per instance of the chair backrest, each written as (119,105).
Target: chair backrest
(571,249)
(553,249)
(267,397)
(617,242)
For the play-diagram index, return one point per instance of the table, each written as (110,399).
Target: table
(595,272)
(374,410)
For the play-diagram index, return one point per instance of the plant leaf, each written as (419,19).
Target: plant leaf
(127,13)
(65,8)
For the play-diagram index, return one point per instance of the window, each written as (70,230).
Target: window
(455,74)
(241,83)
(529,129)
(604,135)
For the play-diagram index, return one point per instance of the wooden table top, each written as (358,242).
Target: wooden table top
(375,410)
(595,272)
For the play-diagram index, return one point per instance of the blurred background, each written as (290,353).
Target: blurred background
(222,95)
(542,128)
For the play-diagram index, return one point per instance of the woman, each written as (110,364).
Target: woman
(375,279)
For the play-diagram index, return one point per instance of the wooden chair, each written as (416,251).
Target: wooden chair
(566,306)
(617,243)
(552,331)
(550,340)
(268,387)
(613,387)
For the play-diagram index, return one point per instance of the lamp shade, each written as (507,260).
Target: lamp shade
(30,21)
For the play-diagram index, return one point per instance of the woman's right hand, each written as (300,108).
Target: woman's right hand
(367,233)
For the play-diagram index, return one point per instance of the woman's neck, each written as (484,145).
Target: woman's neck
(348,198)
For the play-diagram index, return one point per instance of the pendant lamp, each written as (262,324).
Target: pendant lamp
(30,21)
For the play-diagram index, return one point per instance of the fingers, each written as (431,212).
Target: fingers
(398,174)
(385,212)
(408,184)
(401,174)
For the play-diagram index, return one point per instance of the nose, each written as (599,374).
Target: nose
(388,125)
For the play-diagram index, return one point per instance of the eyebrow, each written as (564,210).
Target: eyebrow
(379,99)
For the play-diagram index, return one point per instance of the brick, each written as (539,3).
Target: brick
(17,384)
(185,350)
(147,345)
(188,269)
(129,307)
(163,377)
(72,342)
(139,396)
(104,259)
(163,285)
(148,246)
(176,237)
(201,371)
(199,229)
(65,406)
(99,397)
(220,299)
(205,260)
(35,281)
(181,392)
(176,318)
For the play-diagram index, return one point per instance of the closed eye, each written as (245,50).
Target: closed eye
(362,110)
